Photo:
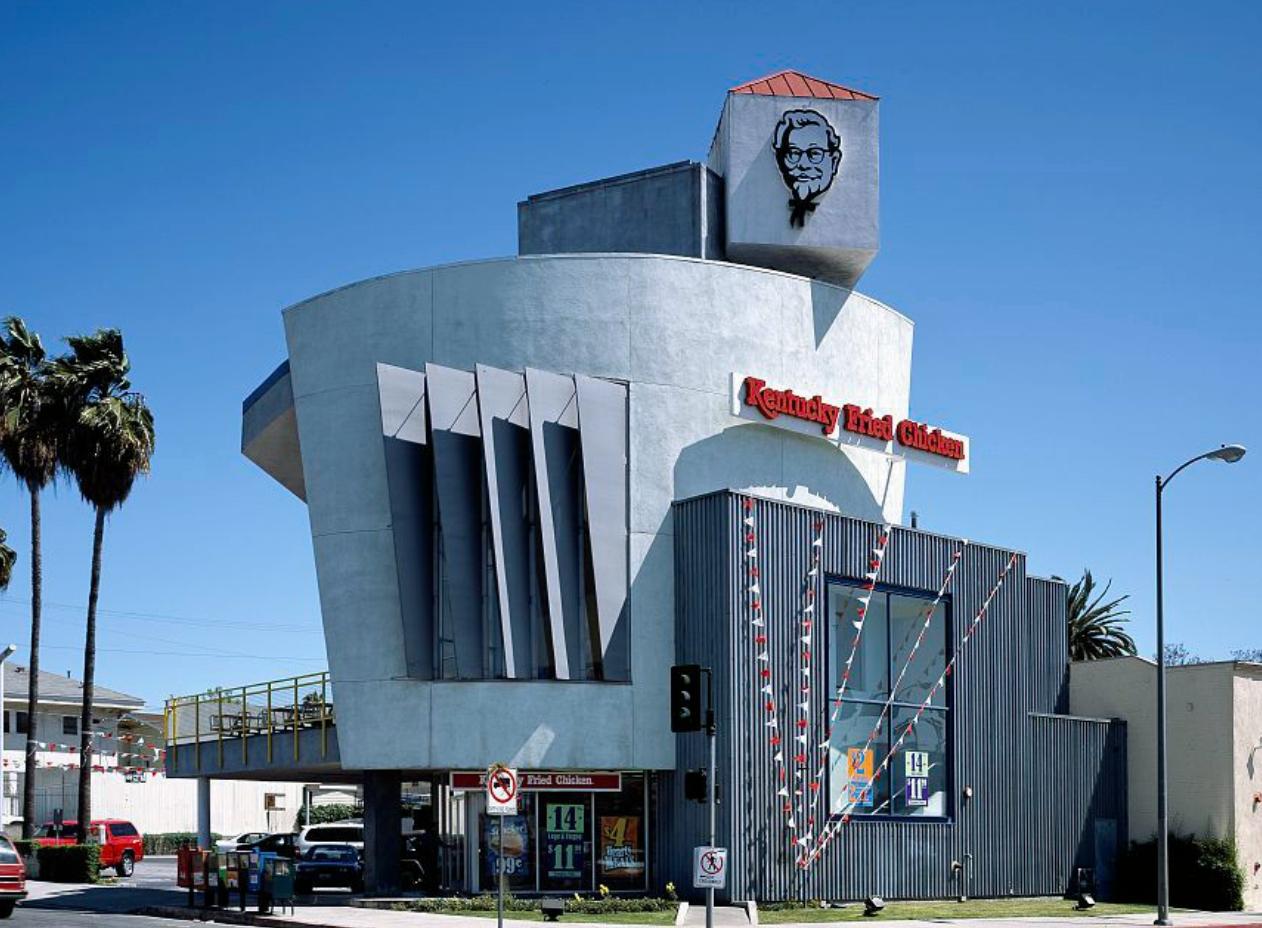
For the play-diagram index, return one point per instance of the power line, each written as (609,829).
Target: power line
(171,619)
(252,657)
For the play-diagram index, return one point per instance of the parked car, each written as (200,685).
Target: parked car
(329,865)
(351,833)
(240,842)
(12,877)
(281,844)
(122,846)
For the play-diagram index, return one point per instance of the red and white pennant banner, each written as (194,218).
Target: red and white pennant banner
(923,630)
(830,831)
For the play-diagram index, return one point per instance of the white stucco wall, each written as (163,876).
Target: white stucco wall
(1199,738)
(674,329)
(1247,767)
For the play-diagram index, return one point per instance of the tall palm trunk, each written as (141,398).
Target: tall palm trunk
(89,681)
(32,699)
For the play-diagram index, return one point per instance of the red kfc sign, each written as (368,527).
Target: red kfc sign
(772,403)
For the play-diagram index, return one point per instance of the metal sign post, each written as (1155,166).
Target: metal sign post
(501,800)
(710,731)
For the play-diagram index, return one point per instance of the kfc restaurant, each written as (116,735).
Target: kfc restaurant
(671,430)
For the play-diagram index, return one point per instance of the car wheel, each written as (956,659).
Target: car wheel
(126,866)
(6,908)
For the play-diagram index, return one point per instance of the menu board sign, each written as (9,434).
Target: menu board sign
(564,847)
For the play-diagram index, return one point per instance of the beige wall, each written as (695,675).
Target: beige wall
(1247,767)
(1199,703)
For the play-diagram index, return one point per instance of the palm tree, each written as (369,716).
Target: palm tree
(28,444)
(107,444)
(1095,626)
(8,557)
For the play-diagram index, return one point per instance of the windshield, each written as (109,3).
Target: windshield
(8,854)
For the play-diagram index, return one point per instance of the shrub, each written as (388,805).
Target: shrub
(575,904)
(168,842)
(334,812)
(70,863)
(1204,874)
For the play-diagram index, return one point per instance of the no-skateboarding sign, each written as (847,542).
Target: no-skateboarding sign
(501,790)
(709,867)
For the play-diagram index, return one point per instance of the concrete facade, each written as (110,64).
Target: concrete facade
(631,318)
(1215,758)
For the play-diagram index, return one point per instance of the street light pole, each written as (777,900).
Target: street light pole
(1163,864)
(1229,454)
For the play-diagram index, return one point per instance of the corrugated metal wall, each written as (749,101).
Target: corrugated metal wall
(1032,777)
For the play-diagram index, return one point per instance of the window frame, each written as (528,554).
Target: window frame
(927,596)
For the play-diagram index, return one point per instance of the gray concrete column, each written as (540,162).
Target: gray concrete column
(383,831)
(203,813)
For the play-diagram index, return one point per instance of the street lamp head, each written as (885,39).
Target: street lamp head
(8,652)
(1229,453)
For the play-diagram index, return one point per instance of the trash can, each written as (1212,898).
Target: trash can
(276,885)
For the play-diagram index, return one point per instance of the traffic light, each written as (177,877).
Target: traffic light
(695,785)
(685,697)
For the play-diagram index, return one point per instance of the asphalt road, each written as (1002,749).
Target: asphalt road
(69,918)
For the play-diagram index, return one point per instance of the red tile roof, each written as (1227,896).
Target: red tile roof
(796,84)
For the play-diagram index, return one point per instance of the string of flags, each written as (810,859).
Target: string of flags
(875,561)
(807,788)
(925,623)
(830,832)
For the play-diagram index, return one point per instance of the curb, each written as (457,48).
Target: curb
(681,916)
(225,917)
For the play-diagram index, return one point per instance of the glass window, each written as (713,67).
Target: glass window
(901,654)
(519,847)
(869,672)
(854,756)
(123,830)
(920,670)
(8,853)
(69,725)
(565,830)
(621,836)
(919,772)
(20,721)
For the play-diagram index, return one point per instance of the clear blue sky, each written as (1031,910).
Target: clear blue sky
(1070,203)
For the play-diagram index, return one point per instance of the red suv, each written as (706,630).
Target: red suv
(121,844)
(12,877)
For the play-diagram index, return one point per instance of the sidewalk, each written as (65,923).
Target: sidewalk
(353,917)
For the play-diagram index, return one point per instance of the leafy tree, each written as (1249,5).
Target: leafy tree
(1248,654)
(29,427)
(107,443)
(1178,655)
(1095,626)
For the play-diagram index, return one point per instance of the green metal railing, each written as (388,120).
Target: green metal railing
(232,716)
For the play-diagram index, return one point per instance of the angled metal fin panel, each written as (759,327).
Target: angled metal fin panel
(555,449)
(408,476)
(602,416)
(455,436)
(505,421)
(403,413)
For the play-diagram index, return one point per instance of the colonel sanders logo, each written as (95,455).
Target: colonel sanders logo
(808,151)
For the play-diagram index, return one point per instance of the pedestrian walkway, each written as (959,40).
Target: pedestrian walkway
(354,917)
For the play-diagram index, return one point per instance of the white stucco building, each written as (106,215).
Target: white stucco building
(1214,716)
